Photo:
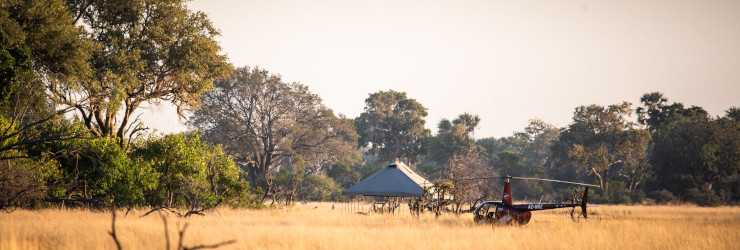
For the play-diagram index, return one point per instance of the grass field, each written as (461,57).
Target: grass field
(317,226)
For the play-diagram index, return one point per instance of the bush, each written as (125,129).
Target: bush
(622,199)
(318,188)
(663,196)
(22,182)
(101,170)
(703,197)
(190,173)
(638,196)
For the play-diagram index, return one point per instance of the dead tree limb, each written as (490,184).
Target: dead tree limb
(166,232)
(165,209)
(194,212)
(217,245)
(113,229)
(181,233)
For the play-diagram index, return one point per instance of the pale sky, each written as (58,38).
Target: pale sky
(506,61)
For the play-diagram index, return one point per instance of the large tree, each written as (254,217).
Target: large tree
(693,151)
(537,138)
(392,125)
(734,114)
(453,138)
(143,51)
(266,122)
(656,111)
(38,44)
(599,139)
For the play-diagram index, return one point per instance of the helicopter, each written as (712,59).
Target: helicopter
(504,212)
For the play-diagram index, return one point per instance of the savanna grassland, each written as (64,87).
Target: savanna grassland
(317,226)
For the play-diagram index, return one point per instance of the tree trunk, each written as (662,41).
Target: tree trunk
(603,183)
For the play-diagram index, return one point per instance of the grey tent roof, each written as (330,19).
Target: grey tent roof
(395,180)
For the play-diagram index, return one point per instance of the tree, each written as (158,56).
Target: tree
(599,138)
(693,152)
(656,111)
(38,44)
(526,153)
(469,122)
(318,188)
(464,168)
(144,51)
(46,27)
(453,138)
(15,66)
(392,125)
(285,185)
(537,139)
(733,113)
(344,174)
(264,121)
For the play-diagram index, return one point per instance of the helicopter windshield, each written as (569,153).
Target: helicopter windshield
(485,208)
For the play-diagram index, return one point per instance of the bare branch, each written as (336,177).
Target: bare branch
(112,233)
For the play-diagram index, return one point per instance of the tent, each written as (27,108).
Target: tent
(394,180)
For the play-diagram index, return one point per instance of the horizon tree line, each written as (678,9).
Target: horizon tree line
(74,74)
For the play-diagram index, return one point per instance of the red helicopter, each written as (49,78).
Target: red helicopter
(505,212)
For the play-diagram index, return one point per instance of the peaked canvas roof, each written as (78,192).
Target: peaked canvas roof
(395,180)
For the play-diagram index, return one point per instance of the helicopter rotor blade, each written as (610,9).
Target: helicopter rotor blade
(551,180)
(478,178)
(523,178)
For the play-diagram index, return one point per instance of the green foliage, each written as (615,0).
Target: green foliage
(15,65)
(23,178)
(619,193)
(663,196)
(392,125)
(47,28)
(453,138)
(638,196)
(297,184)
(342,173)
(142,51)
(99,169)
(734,114)
(693,152)
(39,47)
(656,111)
(266,122)
(318,188)
(706,197)
(23,182)
(286,184)
(600,139)
(526,153)
(190,173)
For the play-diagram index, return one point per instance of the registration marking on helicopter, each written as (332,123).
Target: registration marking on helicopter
(535,206)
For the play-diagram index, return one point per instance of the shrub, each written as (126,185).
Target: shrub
(190,173)
(663,196)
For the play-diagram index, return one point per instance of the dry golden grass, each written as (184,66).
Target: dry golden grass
(303,227)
